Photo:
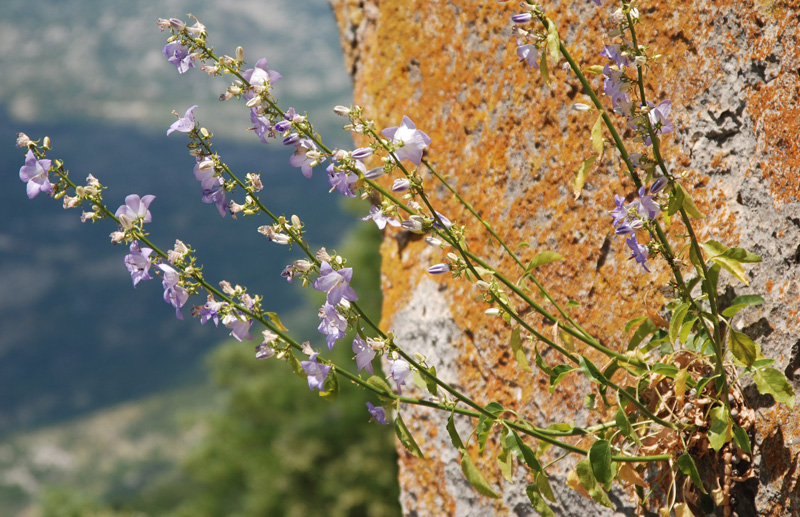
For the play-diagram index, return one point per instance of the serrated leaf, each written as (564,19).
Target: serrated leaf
(538,502)
(600,460)
(405,437)
(588,481)
(597,136)
(474,476)
(543,68)
(688,468)
(677,321)
(721,430)
(545,257)
(773,382)
(331,386)
(742,347)
(583,173)
(741,439)
(519,352)
(382,386)
(276,321)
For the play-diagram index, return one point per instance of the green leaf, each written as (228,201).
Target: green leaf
(405,437)
(721,430)
(688,203)
(297,368)
(485,424)
(519,352)
(597,136)
(773,382)
(276,321)
(667,370)
(688,468)
(506,463)
(474,476)
(632,323)
(543,258)
(741,439)
(740,302)
(527,454)
(624,425)
(719,253)
(382,386)
(591,371)
(742,347)
(697,261)
(583,173)
(538,502)
(454,437)
(600,460)
(741,255)
(587,479)
(553,42)
(677,321)
(331,386)
(644,330)
(676,197)
(544,486)
(543,68)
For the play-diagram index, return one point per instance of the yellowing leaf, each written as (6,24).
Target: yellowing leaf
(583,173)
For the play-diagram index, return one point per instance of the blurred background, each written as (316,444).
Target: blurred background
(109,405)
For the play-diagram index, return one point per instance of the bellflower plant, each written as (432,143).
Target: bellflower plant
(669,401)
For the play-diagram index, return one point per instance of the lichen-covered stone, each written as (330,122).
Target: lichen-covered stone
(512,147)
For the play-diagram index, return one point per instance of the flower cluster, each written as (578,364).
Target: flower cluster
(627,218)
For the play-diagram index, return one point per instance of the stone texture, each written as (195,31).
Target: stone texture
(512,147)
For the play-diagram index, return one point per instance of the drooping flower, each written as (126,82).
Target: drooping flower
(184,124)
(174,294)
(364,354)
(134,209)
(178,55)
(411,140)
(648,208)
(378,414)
(639,252)
(658,119)
(261,125)
(35,173)
(342,180)
(210,311)
(335,283)
(305,156)
(316,372)
(138,263)
(530,54)
(333,324)
(238,324)
(217,196)
(400,370)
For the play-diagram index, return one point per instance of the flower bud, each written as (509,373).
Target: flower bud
(177,24)
(438,269)
(375,173)
(401,185)
(291,139)
(482,286)
(580,107)
(263,351)
(46,142)
(302,265)
(341,111)
(296,221)
(125,221)
(522,18)
(433,241)
(239,54)
(361,153)
(412,225)
(494,311)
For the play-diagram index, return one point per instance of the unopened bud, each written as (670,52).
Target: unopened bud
(302,265)
(483,286)
(239,54)
(204,132)
(494,311)
(296,221)
(342,111)
(177,24)
(579,106)
(46,142)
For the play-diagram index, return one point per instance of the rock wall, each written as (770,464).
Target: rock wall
(512,147)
